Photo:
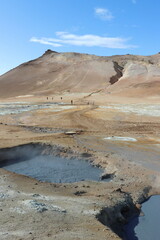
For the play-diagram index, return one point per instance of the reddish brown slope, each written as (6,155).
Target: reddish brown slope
(54,72)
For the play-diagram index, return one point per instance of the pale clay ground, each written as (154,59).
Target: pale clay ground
(34,210)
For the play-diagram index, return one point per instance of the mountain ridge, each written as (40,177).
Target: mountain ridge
(56,73)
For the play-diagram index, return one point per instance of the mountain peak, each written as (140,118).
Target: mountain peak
(49,51)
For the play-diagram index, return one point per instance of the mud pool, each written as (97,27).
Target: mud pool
(50,168)
(145,227)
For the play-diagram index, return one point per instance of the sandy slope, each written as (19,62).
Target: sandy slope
(57,73)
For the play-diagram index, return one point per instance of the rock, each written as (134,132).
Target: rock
(138,205)
(79,193)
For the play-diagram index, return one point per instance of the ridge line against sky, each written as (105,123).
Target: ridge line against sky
(104,28)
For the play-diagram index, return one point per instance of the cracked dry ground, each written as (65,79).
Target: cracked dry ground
(35,210)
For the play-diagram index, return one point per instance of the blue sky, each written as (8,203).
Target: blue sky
(102,27)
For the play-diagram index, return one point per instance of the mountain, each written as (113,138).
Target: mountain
(56,73)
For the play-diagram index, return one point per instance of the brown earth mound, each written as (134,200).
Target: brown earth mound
(57,73)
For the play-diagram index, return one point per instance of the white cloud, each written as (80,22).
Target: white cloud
(44,41)
(88,40)
(104,14)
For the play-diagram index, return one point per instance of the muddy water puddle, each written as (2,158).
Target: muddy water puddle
(145,227)
(49,168)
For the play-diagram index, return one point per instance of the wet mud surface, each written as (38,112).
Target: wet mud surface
(25,160)
(146,226)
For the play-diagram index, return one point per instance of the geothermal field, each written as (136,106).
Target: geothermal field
(80,148)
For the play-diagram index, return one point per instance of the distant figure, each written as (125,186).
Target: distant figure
(71,102)
(47,98)
(61,98)
(52,98)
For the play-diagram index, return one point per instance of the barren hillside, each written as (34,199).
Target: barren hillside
(55,73)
